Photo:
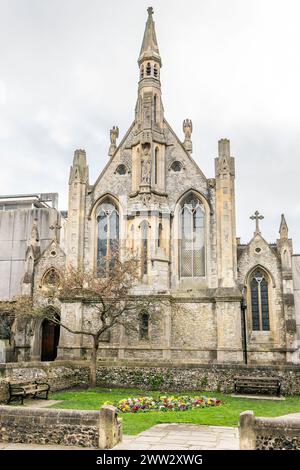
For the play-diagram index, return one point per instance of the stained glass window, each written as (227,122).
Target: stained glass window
(260,301)
(192,242)
(108,236)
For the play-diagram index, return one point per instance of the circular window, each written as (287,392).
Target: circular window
(176,166)
(257,250)
(53,253)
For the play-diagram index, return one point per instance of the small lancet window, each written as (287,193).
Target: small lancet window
(155,108)
(142,71)
(159,235)
(144,247)
(144,326)
(155,71)
(176,166)
(259,287)
(121,169)
(156,165)
(148,69)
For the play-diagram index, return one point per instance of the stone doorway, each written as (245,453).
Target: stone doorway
(50,339)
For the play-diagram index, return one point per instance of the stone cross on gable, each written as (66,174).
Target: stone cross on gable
(56,227)
(257,217)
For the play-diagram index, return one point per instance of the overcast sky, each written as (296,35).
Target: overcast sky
(68,72)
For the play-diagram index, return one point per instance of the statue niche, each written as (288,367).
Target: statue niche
(146,164)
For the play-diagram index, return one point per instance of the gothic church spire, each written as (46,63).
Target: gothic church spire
(149,49)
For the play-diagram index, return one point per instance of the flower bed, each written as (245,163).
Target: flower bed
(164,403)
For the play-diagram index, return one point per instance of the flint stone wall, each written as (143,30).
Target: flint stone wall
(282,433)
(47,426)
(101,429)
(64,375)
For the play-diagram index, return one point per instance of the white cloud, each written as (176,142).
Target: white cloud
(69,72)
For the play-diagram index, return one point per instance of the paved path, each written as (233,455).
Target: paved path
(172,436)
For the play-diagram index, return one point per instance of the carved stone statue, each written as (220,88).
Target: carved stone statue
(187,129)
(146,165)
(114,134)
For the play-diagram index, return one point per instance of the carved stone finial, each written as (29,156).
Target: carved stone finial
(283,229)
(150,11)
(114,134)
(257,217)
(187,129)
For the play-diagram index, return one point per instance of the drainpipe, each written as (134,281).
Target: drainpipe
(243,313)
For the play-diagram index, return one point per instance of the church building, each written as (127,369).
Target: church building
(221,298)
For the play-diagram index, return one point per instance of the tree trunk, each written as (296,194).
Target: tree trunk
(93,365)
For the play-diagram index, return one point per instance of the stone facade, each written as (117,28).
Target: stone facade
(182,227)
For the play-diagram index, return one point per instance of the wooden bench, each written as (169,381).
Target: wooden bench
(31,389)
(257,384)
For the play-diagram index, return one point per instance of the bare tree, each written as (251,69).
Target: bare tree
(110,294)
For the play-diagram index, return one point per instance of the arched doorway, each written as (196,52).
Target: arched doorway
(50,339)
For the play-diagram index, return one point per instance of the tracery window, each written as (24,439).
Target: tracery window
(192,242)
(259,286)
(108,236)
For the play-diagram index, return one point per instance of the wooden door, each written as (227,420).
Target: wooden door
(50,338)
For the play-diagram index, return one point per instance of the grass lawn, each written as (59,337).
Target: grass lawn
(133,423)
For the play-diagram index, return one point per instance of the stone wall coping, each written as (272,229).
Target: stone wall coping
(49,412)
(158,364)
(279,422)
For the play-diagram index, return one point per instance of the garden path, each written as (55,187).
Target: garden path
(174,436)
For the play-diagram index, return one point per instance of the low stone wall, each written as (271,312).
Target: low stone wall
(64,427)
(164,376)
(216,377)
(281,433)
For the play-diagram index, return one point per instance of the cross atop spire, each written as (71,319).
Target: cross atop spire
(149,49)
(257,217)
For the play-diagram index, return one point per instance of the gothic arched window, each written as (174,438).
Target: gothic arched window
(51,278)
(148,69)
(108,235)
(259,287)
(144,325)
(142,71)
(155,71)
(155,108)
(144,247)
(192,242)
